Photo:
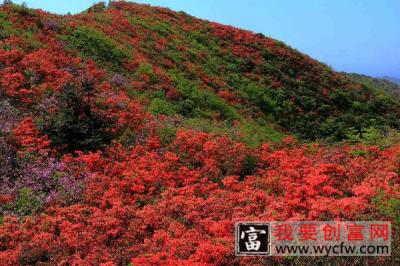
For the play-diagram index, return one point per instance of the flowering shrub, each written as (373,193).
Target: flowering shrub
(8,117)
(146,200)
(28,137)
(88,177)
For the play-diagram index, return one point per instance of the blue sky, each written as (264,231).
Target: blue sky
(360,36)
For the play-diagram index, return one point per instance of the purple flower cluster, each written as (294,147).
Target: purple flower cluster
(48,177)
(7,160)
(72,70)
(45,177)
(8,117)
(51,25)
(118,80)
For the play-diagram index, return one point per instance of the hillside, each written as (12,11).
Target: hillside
(135,135)
(378,84)
(391,79)
(207,73)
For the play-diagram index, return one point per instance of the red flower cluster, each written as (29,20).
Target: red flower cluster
(181,205)
(28,137)
(152,195)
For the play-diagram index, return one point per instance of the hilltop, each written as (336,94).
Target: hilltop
(379,84)
(135,135)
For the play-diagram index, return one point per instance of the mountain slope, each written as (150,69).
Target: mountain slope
(256,75)
(376,83)
(213,73)
(134,135)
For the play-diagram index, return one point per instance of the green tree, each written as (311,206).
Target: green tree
(76,126)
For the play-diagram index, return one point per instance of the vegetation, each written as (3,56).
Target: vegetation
(97,46)
(135,135)
(377,83)
(76,127)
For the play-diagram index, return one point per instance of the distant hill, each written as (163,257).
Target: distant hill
(395,80)
(384,84)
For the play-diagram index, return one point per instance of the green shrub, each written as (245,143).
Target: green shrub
(359,153)
(161,107)
(163,29)
(389,207)
(253,93)
(23,10)
(186,107)
(167,133)
(96,8)
(27,202)
(203,124)
(382,137)
(146,69)
(249,166)
(204,99)
(97,46)
(254,133)
(77,126)
(128,137)
(5,27)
